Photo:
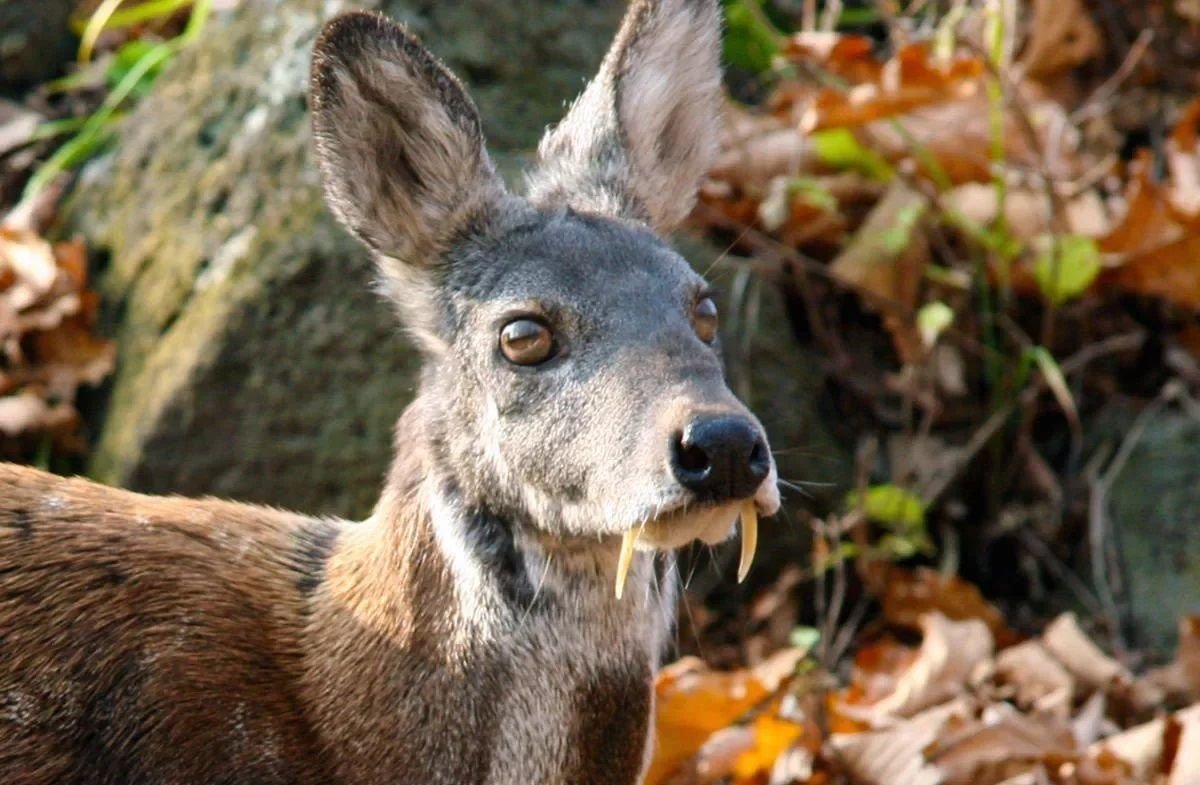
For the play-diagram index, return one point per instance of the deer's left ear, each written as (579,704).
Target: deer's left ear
(637,141)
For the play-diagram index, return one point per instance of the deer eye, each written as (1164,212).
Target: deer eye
(526,342)
(704,319)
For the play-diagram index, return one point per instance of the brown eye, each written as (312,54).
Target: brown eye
(526,342)
(704,317)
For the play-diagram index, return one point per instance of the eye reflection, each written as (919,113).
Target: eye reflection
(704,319)
(526,342)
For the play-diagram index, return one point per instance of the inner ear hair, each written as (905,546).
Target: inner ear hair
(399,143)
(637,141)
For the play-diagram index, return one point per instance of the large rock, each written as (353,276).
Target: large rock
(35,41)
(1153,505)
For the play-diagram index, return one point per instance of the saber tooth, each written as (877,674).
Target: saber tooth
(627,543)
(749,539)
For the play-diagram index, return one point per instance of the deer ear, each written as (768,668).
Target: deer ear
(399,143)
(637,141)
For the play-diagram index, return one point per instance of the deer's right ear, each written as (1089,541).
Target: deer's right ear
(399,143)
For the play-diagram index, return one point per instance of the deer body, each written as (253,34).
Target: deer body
(467,632)
(166,640)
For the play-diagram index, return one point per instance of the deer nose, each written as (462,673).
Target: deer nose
(720,458)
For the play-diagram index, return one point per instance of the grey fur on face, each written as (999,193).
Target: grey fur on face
(585,444)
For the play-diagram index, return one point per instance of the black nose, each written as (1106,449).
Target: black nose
(720,458)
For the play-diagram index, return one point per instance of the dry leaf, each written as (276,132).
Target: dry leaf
(886,259)
(1093,668)
(693,702)
(1061,36)
(772,737)
(949,652)
(28,413)
(895,754)
(908,595)
(1039,680)
(1001,744)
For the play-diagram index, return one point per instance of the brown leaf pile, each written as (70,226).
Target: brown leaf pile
(48,343)
(996,155)
(970,705)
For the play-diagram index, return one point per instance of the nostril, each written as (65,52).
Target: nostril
(691,459)
(760,461)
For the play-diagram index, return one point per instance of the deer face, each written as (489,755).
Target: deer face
(572,356)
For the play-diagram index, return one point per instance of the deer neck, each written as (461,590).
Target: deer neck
(493,577)
(528,667)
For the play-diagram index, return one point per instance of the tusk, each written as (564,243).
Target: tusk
(749,539)
(626,559)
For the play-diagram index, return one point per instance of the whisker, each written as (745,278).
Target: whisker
(728,249)
(807,483)
(537,591)
(798,450)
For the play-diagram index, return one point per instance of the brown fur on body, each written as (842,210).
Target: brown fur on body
(140,634)
(168,640)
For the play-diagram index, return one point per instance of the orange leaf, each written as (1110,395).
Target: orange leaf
(692,703)
(910,594)
(772,737)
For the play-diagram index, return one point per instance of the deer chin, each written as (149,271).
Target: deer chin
(711,524)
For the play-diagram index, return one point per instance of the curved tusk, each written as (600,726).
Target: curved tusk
(626,559)
(749,539)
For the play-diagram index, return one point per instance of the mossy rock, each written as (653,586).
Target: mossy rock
(1153,515)
(36,42)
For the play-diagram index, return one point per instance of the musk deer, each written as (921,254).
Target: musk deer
(572,426)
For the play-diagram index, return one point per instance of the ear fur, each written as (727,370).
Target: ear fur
(399,142)
(637,141)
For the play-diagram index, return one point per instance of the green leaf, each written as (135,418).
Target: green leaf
(1055,380)
(896,237)
(858,17)
(126,59)
(841,552)
(144,12)
(890,505)
(751,42)
(98,129)
(1066,267)
(932,320)
(805,638)
(895,547)
(840,149)
(813,192)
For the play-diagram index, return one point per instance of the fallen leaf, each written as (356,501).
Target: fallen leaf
(895,754)
(1040,682)
(999,745)
(949,652)
(772,737)
(1185,765)
(693,702)
(885,260)
(1061,37)
(1094,669)
(910,594)
(29,413)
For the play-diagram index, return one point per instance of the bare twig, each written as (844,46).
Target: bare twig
(1094,104)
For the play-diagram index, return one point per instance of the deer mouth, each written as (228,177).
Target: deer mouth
(708,523)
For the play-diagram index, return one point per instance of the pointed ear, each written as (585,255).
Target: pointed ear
(637,141)
(399,143)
